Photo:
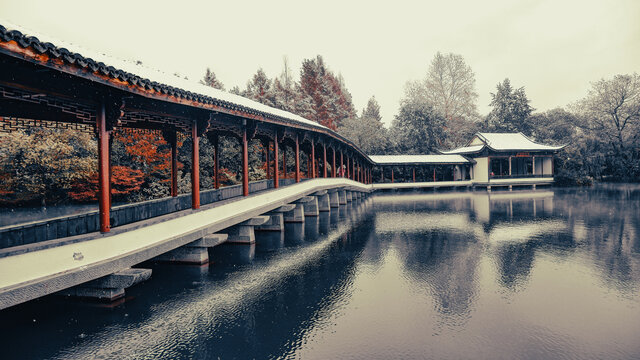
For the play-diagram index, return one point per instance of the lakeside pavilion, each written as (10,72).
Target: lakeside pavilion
(488,159)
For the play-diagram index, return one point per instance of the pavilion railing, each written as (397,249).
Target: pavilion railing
(88,222)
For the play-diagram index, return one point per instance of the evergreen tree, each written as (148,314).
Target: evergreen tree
(417,129)
(211,80)
(511,110)
(260,89)
(372,111)
(322,97)
(284,89)
(367,131)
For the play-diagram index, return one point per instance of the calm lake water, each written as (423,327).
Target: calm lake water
(524,275)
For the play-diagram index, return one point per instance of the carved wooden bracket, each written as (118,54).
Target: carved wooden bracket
(113,111)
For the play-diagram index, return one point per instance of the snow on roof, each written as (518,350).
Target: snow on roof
(138,69)
(513,141)
(419,159)
(503,142)
(464,150)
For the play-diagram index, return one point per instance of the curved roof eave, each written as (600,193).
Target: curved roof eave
(30,48)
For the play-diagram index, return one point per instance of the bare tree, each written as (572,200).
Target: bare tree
(611,111)
(449,88)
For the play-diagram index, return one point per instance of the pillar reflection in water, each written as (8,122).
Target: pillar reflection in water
(342,210)
(311,228)
(334,217)
(269,240)
(324,222)
(293,234)
(234,253)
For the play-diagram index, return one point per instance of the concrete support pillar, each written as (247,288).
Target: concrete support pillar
(349,195)
(110,287)
(276,219)
(510,187)
(297,214)
(342,196)
(243,233)
(324,204)
(195,252)
(311,207)
(334,198)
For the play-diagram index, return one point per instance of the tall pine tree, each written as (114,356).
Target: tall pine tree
(211,80)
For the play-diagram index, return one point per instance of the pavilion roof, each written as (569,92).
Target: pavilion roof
(502,142)
(137,73)
(419,159)
(51,52)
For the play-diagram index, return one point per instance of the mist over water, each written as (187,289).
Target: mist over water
(522,275)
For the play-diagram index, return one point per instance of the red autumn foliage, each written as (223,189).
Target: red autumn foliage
(124,181)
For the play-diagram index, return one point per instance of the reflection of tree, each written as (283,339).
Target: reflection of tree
(446,263)
(605,221)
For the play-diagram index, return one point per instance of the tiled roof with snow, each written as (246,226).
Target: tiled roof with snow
(503,142)
(465,150)
(419,159)
(513,141)
(138,74)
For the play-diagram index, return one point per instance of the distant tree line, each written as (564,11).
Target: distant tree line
(602,132)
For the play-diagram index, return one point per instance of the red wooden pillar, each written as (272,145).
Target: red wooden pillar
(341,165)
(392,174)
(348,169)
(195,168)
(297,160)
(268,160)
(333,165)
(103,170)
(434,174)
(216,161)
(313,160)
(174,164)
(245,163)
(353,169)
(414,174)
(324,160)
(276,175)
(309,166)
(284,160)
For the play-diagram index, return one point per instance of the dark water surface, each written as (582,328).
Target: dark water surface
(523,275)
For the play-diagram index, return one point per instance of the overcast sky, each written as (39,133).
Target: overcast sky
(554,48)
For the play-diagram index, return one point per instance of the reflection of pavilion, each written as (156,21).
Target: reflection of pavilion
(512,225)
(487,208)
